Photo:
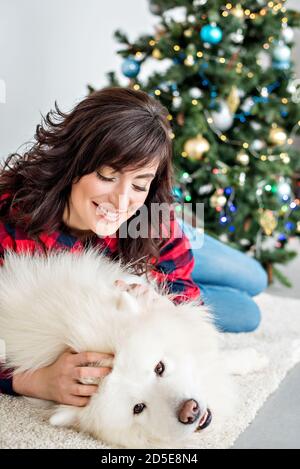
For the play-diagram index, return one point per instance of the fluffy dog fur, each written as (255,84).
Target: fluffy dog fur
(48,304)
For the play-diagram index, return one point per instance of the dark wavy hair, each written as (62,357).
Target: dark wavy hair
(119,127)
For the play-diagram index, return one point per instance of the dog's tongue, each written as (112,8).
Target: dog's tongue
(205,420)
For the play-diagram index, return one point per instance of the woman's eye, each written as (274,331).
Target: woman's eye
(142,189)
(103,178)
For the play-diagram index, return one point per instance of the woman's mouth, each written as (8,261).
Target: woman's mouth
(106,214)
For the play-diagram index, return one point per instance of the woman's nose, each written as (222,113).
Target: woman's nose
(120,200)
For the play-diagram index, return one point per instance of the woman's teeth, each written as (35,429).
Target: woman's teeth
(108,215)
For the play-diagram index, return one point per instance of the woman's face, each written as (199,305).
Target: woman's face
(101,201)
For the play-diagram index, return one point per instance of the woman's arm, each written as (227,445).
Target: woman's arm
(175,265)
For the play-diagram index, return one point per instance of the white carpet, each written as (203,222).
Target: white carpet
(278,337)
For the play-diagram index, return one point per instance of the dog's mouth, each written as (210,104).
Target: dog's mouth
(205,421)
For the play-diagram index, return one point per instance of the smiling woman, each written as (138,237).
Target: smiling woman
(91,173)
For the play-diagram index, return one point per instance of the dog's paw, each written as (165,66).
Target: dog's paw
(65,416)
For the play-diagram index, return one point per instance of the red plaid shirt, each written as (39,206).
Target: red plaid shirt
(175,263)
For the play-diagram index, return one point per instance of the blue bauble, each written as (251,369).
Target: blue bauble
(130,68)
(282,65)
(211,34)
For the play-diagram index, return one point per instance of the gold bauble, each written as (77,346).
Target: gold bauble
(243,158)
(268,221)
(298,226)
(196,147)
(278,136)
(233,100)
(237,11)
(156,54)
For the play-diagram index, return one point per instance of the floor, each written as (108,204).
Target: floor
(277,425)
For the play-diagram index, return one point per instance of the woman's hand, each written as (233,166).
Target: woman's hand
(60,382)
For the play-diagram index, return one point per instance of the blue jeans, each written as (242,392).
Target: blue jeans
(228,279)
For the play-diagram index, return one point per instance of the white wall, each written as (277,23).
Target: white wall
(50,50)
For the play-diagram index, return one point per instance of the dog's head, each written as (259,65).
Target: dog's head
(167,380)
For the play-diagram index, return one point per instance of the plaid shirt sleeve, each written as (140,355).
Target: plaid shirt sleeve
(6,241)
(175,266)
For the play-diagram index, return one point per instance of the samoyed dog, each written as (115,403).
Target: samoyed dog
(169,379)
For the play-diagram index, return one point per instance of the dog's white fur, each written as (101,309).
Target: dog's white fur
(48,304)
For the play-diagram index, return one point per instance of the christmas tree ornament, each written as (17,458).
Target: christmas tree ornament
(237,37)
(284,188)
(222,118)
(177,102)
(287,34)
(243,158)
(267,221)
(188,32)
(257,145)
(298,227)
(264,60)
(189,61)
(196,147)
(177,193)
(284,65)
(199,3)
(130,68)
(281,52)
(205,189)
(238,11)
(211,34)
(233,100)
(177,14)
(217,200)
(255,125)
(247,105)
(195,93)
(278,136)
(242,179)
(156,54)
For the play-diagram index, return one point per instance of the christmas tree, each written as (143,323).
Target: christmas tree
(229,83)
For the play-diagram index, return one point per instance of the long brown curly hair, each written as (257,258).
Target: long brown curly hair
(119,127)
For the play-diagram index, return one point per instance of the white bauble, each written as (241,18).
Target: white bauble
(257,145)
(281,52)
(287,35)
(247,104)
(177,14)
(222,118)
(176,102)
(195,93)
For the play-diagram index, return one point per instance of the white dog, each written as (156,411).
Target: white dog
(169,379)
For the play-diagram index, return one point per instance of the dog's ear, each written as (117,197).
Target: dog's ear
(127,302)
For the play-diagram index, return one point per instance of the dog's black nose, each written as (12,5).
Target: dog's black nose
(189,412)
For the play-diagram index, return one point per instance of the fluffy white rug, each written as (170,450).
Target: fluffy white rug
(278,337)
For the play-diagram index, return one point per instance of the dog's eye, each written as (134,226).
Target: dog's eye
(138,408)
(160,368)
